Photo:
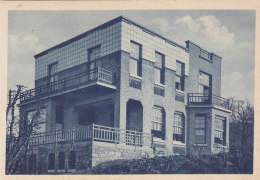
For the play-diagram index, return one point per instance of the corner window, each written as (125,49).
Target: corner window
(59,114)
(158,123)
(159,68)
(220,130)
(200,128)
(179,81)
(178,127)
(135,64)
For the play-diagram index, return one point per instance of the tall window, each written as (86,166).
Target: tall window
(159,68)
(179,82)
(200,128)
(158,122)
(51,161)
(61,160)
(59,114)
(204,83)
(53,69)
(220,130)
(72,160)
(93,54)
(135,59)
(178,127)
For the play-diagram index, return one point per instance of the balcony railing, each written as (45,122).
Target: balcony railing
(94,133)
(96,75)
(207,99)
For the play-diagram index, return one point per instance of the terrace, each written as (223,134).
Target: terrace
(94,133)
(97,76)
(207,99)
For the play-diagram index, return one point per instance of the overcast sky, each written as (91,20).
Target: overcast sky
(229,34)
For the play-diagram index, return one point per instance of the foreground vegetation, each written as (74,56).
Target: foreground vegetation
(205,164)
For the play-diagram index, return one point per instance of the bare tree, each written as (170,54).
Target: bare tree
(19,130)
(242,130)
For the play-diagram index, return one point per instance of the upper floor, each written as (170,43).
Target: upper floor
(93,59)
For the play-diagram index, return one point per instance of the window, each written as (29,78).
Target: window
(86,116)
(61,160)
(200,128)
(179,82)
(220,130)
(159,68)
(53,69)
(135,63)
(158,122)
(59,114)
(51,161)
(178,127)
(72,160)
(93,54)
(204,83)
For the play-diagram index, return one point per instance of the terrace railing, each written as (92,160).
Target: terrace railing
(96,75)
(94,133)
(207,99)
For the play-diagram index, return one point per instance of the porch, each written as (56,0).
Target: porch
(94,133)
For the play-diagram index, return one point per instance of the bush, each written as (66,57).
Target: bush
(206,164)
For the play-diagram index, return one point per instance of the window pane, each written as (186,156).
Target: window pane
(204,79)
(157,119)
(157,75)
(179,69)
(133,67)
(158,60)
(134,50)
(94,53)
(200,129)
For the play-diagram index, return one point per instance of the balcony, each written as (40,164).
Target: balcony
(94,133)
(97,76)
(207,99)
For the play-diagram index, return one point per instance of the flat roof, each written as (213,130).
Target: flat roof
(107,24)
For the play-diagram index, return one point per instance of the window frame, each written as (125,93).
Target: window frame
(156,132)
(95,60)
(160,69)
(138,61)
(204,85)
(180,85)
(200,128)
(179,137)
(222,131)
(51,74)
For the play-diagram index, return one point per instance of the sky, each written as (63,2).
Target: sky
(230,34)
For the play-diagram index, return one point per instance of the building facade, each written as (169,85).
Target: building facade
(122,91)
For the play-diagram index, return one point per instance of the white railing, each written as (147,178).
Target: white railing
(94,133)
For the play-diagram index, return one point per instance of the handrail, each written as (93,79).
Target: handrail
(98,74)
(95,133)
(210,99)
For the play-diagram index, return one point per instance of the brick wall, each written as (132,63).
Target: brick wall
(198,64)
